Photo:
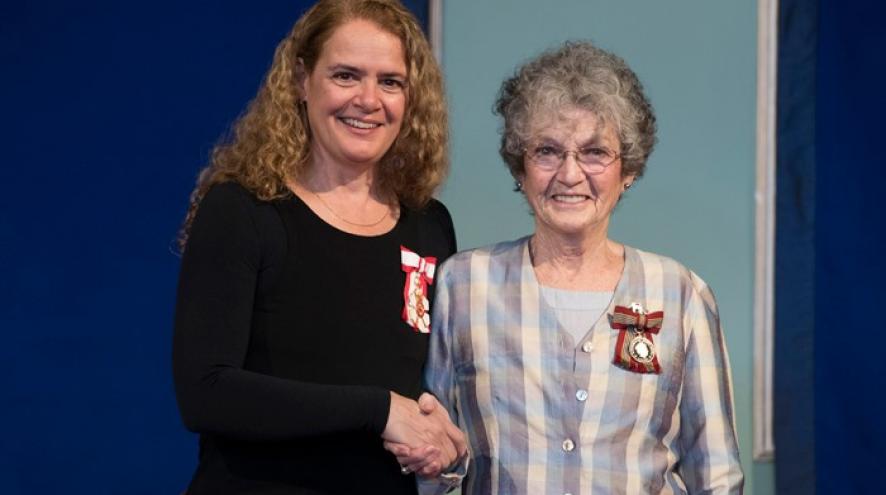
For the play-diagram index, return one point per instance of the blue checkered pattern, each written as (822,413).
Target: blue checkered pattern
(547,415)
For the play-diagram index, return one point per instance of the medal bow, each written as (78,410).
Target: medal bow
(635,349)
(624,318)
(412,262)
(419,274)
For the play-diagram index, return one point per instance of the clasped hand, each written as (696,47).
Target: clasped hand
(421,435)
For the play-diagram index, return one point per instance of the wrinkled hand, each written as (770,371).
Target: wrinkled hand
(436,443)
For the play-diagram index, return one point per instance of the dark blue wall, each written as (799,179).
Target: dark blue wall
(830,265)
(109,110)
(850,239)
(794,375)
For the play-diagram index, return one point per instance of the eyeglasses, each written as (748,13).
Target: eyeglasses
(592,159)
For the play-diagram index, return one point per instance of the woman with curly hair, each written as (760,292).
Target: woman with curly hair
(308,263)
(576,363)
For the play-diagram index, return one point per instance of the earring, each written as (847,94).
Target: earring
(628,185)
(518,186)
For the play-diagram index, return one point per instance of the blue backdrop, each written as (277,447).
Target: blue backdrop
(850,236)
(829,258)
(110,109)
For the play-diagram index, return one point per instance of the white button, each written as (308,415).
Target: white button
(568,445)
(582,395)
(587,346)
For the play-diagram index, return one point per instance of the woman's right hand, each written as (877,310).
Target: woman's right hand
(425,429)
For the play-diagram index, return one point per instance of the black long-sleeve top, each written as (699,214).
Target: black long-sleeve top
(288,337)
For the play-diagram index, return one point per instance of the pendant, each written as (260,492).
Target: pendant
(641,349)
(417,305)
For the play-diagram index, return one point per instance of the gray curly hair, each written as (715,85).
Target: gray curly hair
(576,74)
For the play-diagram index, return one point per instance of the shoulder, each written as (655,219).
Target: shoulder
(437,209)
(226,200)
(230,210)
(652,262)
(500,254)
(674,276)
(497,250)
(434,212)
(436,227)
(229,196)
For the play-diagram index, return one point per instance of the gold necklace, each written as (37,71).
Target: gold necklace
(345,220)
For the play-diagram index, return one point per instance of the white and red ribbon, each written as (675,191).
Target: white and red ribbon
(419,274)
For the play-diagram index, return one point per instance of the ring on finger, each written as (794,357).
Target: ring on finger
(405,470)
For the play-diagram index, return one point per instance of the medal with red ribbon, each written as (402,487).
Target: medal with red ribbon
(419,274)
(635,349)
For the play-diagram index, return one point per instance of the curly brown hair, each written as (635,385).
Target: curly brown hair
(578,74)
(271,142)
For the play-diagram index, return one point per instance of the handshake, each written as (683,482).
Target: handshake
(422,437)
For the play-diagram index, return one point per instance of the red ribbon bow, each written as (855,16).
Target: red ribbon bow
(623,318)
(641,326)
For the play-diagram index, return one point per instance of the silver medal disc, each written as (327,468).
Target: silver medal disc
(642,349)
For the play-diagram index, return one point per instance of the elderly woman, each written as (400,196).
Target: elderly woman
(574,363)
(309,252)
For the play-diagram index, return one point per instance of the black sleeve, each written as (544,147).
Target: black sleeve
(220,269)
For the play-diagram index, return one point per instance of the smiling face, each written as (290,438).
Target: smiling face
(356,95)
(569,201)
